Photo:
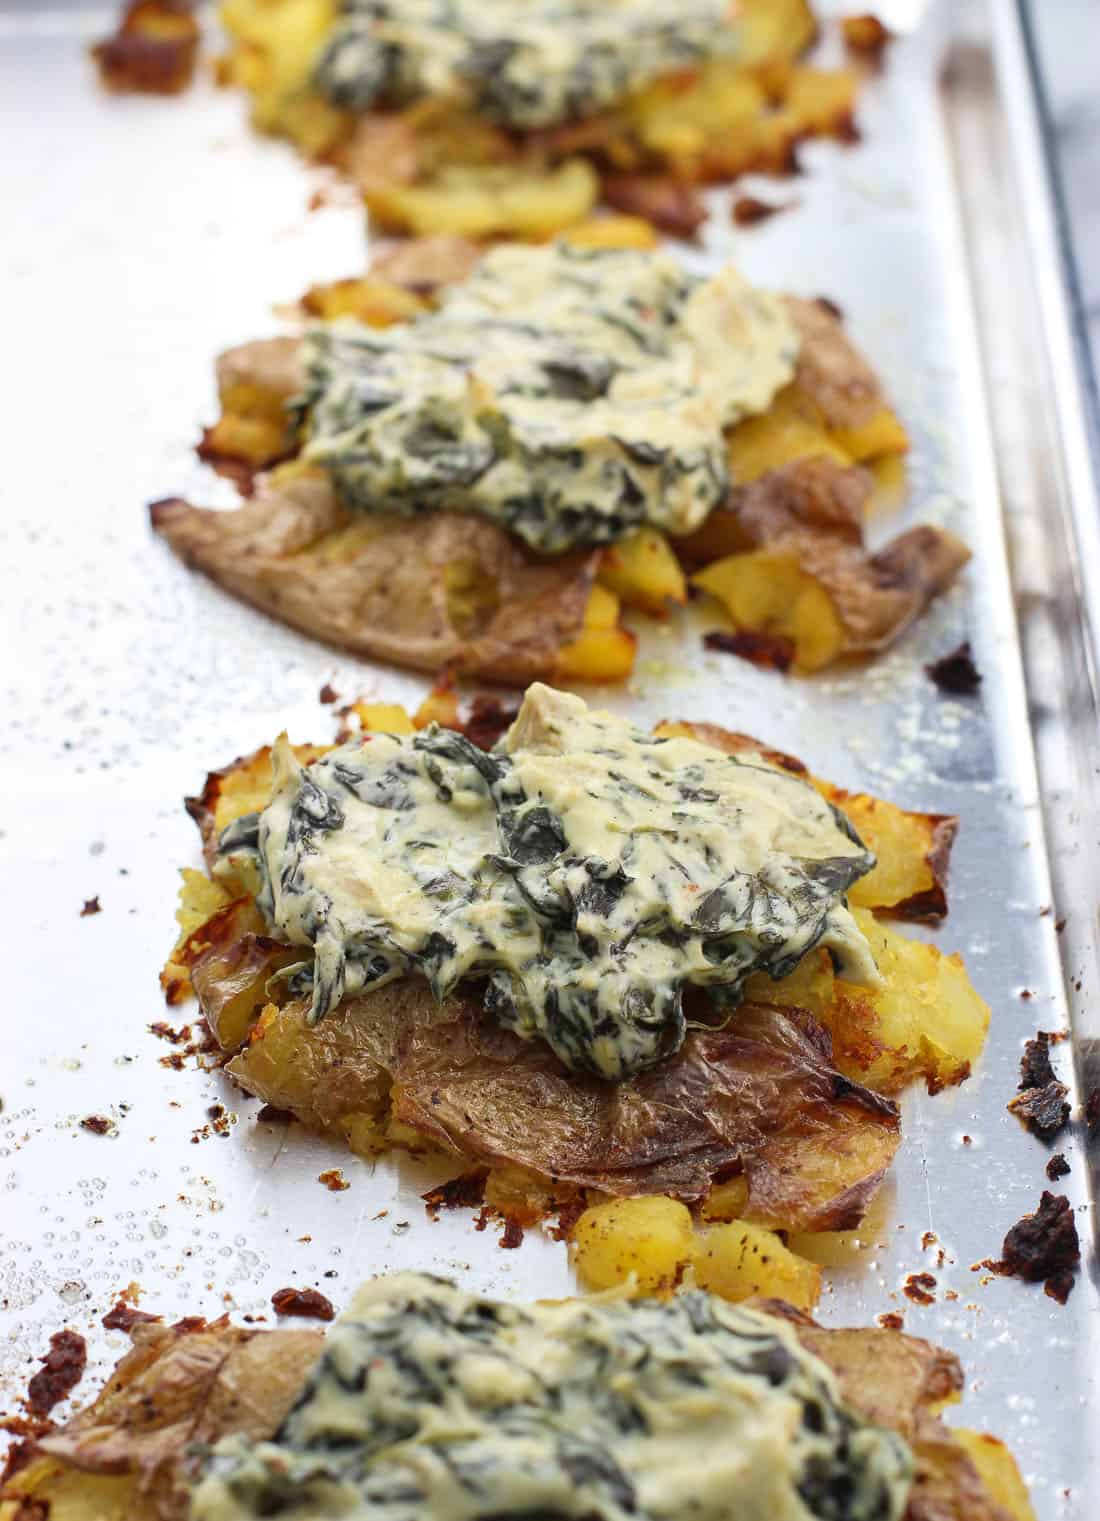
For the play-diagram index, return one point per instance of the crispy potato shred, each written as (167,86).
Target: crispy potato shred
(784,560)
(436,167)
(129,1455)
(783,1119)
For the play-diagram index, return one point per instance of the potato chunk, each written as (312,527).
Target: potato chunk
(651,1237)
(644,572)
(649,1242)
(739,1261)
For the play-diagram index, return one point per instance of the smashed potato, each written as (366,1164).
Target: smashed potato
(182,1387)
(784,557)
(710,124)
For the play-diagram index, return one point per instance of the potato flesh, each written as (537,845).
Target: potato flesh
(647,1244)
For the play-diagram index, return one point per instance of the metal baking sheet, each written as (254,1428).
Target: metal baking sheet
(141,237)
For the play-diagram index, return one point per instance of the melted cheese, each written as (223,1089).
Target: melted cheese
(586,869)
(430,1404)
(571,394)
(524,63)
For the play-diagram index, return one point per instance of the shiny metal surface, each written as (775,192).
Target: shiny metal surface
(143,236)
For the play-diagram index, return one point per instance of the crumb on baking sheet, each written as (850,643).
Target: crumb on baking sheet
(748,210)
(1043,1245)
(98,1124)
(773,652)
(1057,1167)
(153,51)
(334,1180)
(62,1369)
(891,1320)
(920,1288)
(955,673)
(124,1317)
(310,1304)
(1041,1100)
(866,37)
(91,906)
(467,1191)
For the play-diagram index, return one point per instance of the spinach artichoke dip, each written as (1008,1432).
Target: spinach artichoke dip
(431,1404)
(584,869)
(522,63)
(571,394)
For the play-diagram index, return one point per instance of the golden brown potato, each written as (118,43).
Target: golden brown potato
(712,124)
(651,1239)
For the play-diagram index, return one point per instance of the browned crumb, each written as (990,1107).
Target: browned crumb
(928,1239)
(328,694)
(1057,1167)
(513,1234)
(867,37)
(891,1320)
(124,1317)
(920,1288)
(154,49)
(1043,1246)
(748,210)
(308,1303)
(956,673)
(28,1431)
(467,1191)
(62,1369)
(772,651)
(91,906)
(968,1140)
(98,1124)
(333,1179)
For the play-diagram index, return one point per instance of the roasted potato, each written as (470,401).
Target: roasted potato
(131,1452)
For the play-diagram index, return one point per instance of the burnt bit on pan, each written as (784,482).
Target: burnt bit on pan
(124,1317)
(866,38)
(98,1124)
(749,210)
(955,673)
(774,652)
(1057,1167)
(153,51)
(467,1191)
(91,906)
(1043,1246)
(309,1304)
(62,1369)
(1041,1100)
(920,1288)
